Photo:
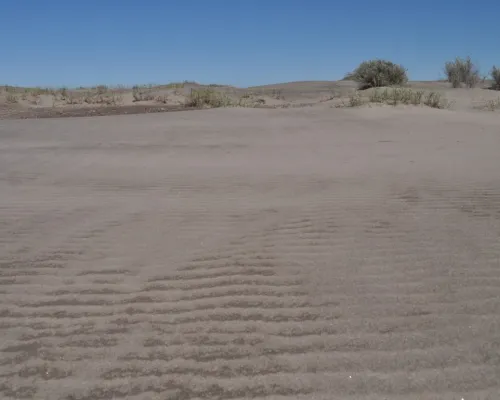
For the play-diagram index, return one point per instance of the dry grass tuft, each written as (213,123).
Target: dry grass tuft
(108,99)
(162,99)
(208,98)
(11,98)
(395,96)
(142,93)
(489,105)
(277,94)
(355,100)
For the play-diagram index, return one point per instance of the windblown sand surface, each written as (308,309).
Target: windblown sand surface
(239,253)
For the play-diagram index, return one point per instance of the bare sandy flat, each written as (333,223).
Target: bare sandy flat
(312,253)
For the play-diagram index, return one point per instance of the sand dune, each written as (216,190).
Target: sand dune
(311,253)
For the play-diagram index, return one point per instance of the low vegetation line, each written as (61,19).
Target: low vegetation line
(396,96)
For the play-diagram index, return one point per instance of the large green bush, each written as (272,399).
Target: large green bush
(377,73)
(462,71)
(495,74)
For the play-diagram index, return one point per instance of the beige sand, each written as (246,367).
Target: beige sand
(313,253)
(22,103)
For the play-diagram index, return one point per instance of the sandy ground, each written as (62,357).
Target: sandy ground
(310,253)
(24,103)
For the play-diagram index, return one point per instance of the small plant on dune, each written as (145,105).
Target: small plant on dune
(162,99)
(354,100)
(436,100)
(174,85)
(109,99)
(39,91)
(101,89)
(489,105)
(63,92)
(72,100)
(495,74)
(396,96)
(462,71)
(208,98)
(377,73)
(277,94)
(11,98)
(9,89)
(142,94)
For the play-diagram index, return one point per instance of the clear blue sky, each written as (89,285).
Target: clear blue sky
(76,42)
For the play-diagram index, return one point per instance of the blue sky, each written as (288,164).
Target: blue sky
(73,43)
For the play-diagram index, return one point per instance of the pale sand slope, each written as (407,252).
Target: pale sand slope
(240,253)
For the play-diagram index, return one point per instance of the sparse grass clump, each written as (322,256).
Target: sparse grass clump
(495,74)
(462,71)
(11,98)
(101,89)
(489,105)
(396,96)
(9,89)
(108,99)
(354,100)
(277,94)
(162,99)
(174,85)
(377,73)
(436,100)
(142,94)
(208,98)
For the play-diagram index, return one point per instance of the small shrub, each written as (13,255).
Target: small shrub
(436,100)
(396,96)
(377,73)
(11,98)
(101,89)
(142,94)
(354,100)
(175,85)
(162,99)
(462,71)
(276,94)
(495,74)
(64,93)
(208,98)
(39,91)
(489,105)
(110,99)
(9,89)
(71,99)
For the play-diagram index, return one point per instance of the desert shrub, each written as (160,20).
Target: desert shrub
(462,71)
(277,94)
(109,99)
(436,100)
(354,100)
(174,85)
(396,96)
(376,73)
(101,89)
(489,105)
(11,98)
(495,74)
(142,94)
(162,99)
(207,98)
